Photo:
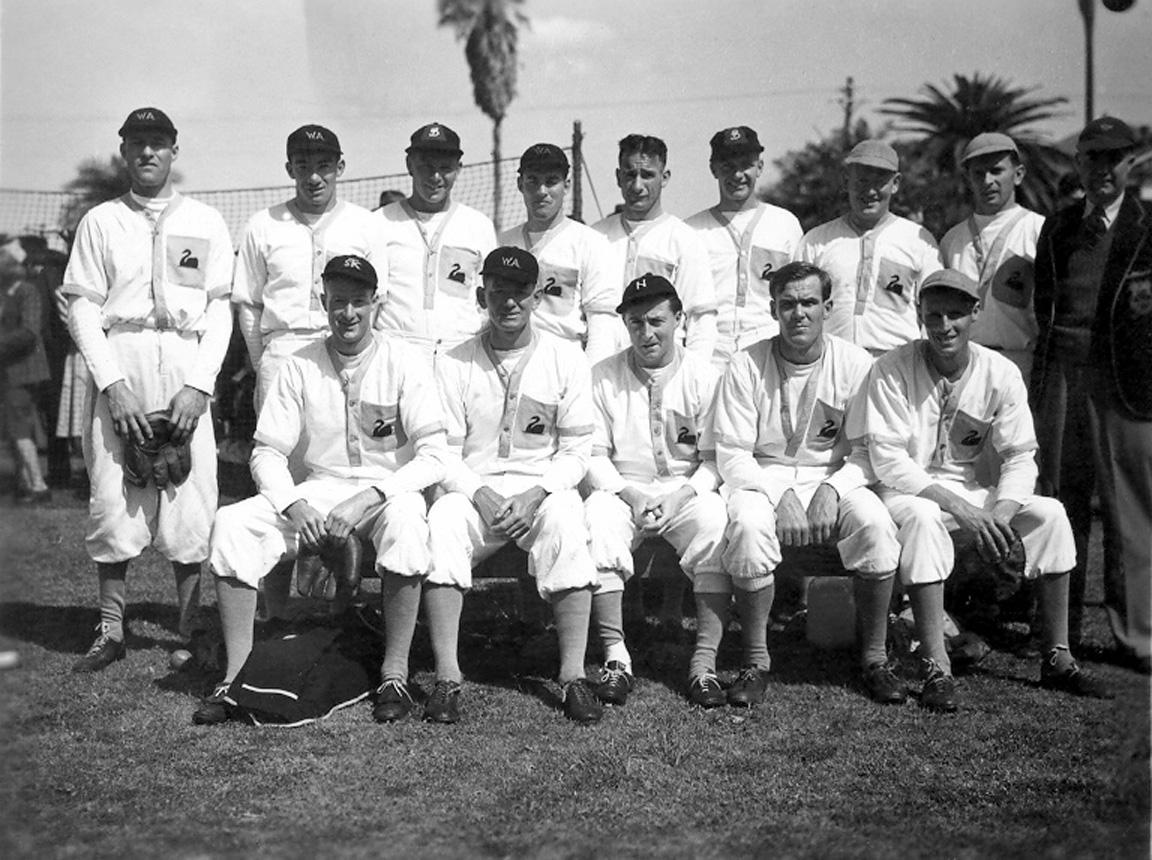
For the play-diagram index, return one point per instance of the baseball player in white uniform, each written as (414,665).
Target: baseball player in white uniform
(278,289)
(746,240)
(579,292)
(366,416)
(147,286)
(996,247)
(877,260)
(434,249)
(644,239)
(650,476)
(519,409)
(938,408)
(789,444)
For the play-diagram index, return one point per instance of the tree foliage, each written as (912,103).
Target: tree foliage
(490,32)
(96,180)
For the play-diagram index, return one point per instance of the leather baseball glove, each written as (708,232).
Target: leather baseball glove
(158,459)
(332,569)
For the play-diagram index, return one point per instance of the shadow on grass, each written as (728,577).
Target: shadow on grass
(70,629)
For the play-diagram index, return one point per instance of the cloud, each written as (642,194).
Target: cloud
(560,31)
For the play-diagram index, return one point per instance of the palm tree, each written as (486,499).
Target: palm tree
(489,29)
(947,120)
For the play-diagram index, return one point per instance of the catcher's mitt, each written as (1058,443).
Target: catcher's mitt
(985,582)
(332,569)
(158,459)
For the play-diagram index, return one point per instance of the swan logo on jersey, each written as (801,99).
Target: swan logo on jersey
(535,426)
(895,285)
(382,429)
(971,439)
(1015,281)
(685,436)
(829,430)
(188,260)
(766,272)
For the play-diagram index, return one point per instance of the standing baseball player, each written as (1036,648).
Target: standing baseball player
(789,445)
(876,259)
(579,293)
(278,286)
(644,239)
(435,248)
(364,414)
(148,284)
(935,407)
(649,475)
(996,247)
(519,410)
(746,240)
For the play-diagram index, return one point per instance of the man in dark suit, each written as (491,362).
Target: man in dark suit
(1092,380)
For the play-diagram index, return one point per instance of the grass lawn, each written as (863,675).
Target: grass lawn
(110,765)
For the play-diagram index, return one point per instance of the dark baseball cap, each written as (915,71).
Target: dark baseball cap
(988,143)
(544,156)
(737,140)
(644,289)
(874,153)
(511,264)
(313,138)
(1105,133)
(950,279)
(349,267)
(147,119)
(435,137)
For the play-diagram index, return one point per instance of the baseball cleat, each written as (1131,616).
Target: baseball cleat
(212,709)
(443,706)
(104,652)
(393,702)
(883,686)
(749,687)
(1071,679)
(705,691)
(614,684)
(939,690)
(580,703)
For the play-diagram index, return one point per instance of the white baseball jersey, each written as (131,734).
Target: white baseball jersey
(668,247)
(536,419)
(922,428)
(779,425)
(574,275)
(743,250)
(378,420)
(649,429)
(282,258)
(151,282)
(876,278)
(999,253)
(434,263)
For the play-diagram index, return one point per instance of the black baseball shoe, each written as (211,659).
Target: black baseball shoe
(1069,677)
(939,690)
(705,691)
(213,709)
(883,686)
(749,687)
(104,652)
(443,706)
(580,703)
(393,702)
(614,684)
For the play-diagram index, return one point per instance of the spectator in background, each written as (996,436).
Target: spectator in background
(23,367)
(388,195)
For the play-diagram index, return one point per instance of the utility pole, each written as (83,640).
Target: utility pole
(577,170)
(847,101)
(1088,13)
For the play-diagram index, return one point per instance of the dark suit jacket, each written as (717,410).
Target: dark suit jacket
(1121,351)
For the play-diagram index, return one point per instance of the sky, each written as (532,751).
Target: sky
(237,76)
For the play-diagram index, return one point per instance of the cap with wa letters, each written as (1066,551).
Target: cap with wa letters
(511,264)
(544,156)
(147,119)
(313,138)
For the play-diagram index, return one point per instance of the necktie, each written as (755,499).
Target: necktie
(1094,227)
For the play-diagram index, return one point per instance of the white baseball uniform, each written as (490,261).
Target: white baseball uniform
(434,262)
(580,296)
(374,421)
(876,278)
(518,420)
(781,426)
(999,253)
(648,436)
(743,250)
(923,430)
(278,285)
(150,281)
(668,247)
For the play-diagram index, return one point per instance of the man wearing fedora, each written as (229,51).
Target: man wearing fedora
(1091,385)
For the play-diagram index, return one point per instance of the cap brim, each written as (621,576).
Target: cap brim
(1106,145)
(871,161)
(446,150)
(990,150)
(642,300)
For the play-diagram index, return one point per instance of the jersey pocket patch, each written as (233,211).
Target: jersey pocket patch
(459,270)
(187,258)
(382,428)
(681,435)
(967,437)
(560,285)
(895,286)
(649,265)
(535,424)
(1013,282)
(826,426)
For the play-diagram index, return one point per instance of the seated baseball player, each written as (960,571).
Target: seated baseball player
(787,446)
(519,408)
(365,413)
(937,409)
(649,476)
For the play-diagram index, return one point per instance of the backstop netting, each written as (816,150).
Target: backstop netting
(39,212)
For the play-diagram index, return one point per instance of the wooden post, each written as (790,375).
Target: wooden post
(577,171)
